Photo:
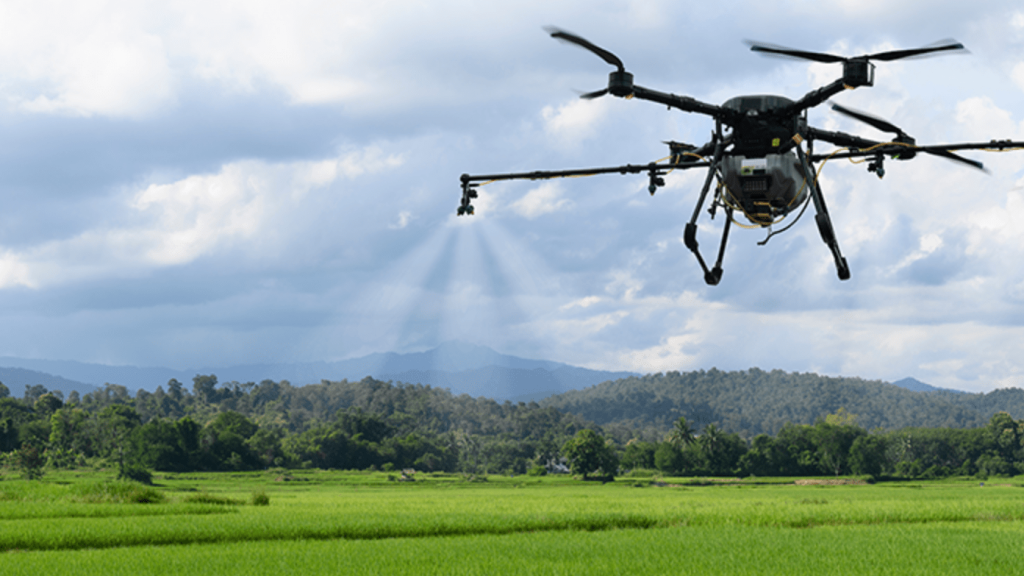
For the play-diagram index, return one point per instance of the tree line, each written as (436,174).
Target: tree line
(373,424)
(836,445)
(248,426)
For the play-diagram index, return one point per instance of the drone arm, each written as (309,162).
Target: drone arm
(812,99)
(840,138)
(991,145)
(684,103)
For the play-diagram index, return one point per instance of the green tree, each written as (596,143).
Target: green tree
(47,404)
(721,450)
(867,455)
(234,423)
(834,442)
(33,392)
(639,454)
(157,447)
(13,416)
(205,388)
(668,458)
(266,444)
(116,423)
(69,437)
(30,461)
(682,434)
(760,459)
(588,453)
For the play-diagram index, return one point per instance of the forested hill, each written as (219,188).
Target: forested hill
(752,402)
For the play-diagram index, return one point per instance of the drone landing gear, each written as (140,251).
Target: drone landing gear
(824,221)
(828,234)
(714,275)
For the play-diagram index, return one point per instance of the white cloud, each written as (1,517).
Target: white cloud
(84,58)
(575,121)
(983,119)
(404,217)
(673,353)
(1017,21)
(568,331)
(544,199)
(176,223)
(1018,75)
(586,302)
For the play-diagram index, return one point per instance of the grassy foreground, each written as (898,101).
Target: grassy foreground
(326,522)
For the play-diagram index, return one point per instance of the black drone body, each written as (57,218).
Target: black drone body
(757,152)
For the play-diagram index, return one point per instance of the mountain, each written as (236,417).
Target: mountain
(918,386)
(515,384)
(96,375)
(752,402)
(461,367)
(16,379)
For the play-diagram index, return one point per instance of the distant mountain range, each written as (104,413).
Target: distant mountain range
(463,368)
(17,379)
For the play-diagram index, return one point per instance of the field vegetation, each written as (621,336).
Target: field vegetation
(315,521)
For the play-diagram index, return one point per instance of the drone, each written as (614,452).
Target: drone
(756,154)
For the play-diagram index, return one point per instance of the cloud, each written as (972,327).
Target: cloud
(544,199)
(84,58)
(576,121)
(586,302)
(176,223)
(404,217)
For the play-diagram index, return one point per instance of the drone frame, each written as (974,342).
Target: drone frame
(858,71)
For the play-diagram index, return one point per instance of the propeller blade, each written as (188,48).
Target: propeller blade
(883,125)
(595,94)
(886,126)
(783,51)
(940,46)
(954,157)
(583,43)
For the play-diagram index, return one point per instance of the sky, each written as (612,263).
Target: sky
(188,184)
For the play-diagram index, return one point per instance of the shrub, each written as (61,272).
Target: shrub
(118,492)
(260,498)
(207,498)
(136,474)
(642,473)
(29,461)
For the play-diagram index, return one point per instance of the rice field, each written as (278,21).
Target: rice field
(361,523)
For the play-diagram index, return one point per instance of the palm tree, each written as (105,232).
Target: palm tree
(682,433)
(710,440)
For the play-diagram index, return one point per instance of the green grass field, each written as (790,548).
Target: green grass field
(335,522)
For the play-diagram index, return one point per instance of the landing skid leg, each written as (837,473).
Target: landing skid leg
(824,221)
(713,276)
